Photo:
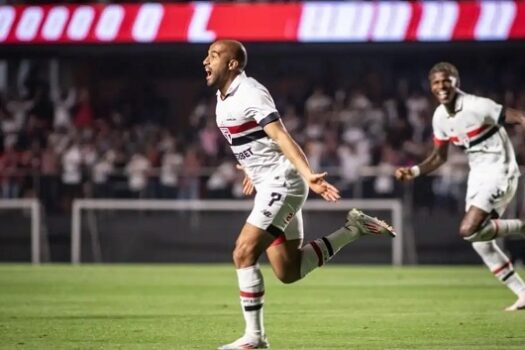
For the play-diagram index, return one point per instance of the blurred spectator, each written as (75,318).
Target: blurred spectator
(138,170)
(72,173)
(318,102)
(189,179)
(9,173)
(63,102)
(209,139)
(15,119)
(220,183)
(170,170)
(49,180)
(102,169)
(84,114)
(350,165)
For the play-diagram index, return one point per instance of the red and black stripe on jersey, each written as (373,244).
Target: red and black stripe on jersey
(249,131)
(475,136)
(478,135)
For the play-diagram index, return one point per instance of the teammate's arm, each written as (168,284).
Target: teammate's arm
(514,116)
(277,132)
(437,158)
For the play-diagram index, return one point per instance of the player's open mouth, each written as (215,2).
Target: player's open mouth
(208,72)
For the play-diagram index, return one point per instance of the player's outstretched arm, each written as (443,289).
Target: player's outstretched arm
(437,158)
(295,154)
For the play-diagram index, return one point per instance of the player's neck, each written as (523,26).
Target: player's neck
(224,88)
(451,106)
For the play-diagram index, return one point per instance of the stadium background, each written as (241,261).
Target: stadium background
(106,111)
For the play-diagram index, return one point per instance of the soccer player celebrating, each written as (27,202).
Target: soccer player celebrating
(475,124)
(277,169)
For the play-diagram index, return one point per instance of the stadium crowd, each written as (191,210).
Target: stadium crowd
(121,139)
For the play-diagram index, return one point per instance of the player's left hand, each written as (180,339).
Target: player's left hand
(320,186)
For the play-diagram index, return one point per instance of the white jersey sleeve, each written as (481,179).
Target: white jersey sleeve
(259,105)
(492,112)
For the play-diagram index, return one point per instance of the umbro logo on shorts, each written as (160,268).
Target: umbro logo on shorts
(267,213)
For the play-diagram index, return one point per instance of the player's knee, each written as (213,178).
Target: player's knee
(287,276)
(467,230)
(483,234)
(244,255)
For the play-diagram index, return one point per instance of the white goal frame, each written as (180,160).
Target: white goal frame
(394,205)
(33,205)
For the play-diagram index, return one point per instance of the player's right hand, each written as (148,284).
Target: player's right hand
(247,185)
(403,174)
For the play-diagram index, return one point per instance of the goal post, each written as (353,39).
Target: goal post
(33,206)
(393,205)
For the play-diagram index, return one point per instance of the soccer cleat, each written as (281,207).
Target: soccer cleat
(518,305)
(368,225)
(247,342)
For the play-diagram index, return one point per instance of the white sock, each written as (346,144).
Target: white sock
(251,285)
(316,253)
(500,266)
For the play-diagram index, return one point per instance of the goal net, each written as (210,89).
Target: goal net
(109,230)
(20,223)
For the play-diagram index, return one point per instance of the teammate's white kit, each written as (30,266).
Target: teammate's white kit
(246,108)
(476,126)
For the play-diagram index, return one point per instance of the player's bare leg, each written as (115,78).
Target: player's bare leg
(250,244)
(285,259)
(476,220)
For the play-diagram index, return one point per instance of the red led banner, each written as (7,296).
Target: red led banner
(379,21)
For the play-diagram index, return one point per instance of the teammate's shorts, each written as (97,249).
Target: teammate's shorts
(491,194)
(277,208)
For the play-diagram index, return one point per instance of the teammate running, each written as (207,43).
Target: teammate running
(476,125)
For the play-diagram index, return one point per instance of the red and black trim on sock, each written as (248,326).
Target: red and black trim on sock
(504,272)
(252,301)
(323,249)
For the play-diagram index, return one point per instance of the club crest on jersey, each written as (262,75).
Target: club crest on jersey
(226,134)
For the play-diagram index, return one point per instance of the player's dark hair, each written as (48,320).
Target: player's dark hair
(444,67)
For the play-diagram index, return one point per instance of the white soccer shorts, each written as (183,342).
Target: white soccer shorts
(277,209)
(490,193)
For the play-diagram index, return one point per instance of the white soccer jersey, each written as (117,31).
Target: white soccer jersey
(241,116)
(476,126)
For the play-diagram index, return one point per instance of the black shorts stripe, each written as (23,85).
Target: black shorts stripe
(269,118)
(274,231)
(507,276)
(256,135)
(328,246)
(253,307)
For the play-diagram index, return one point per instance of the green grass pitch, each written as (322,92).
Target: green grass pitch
(196,307)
